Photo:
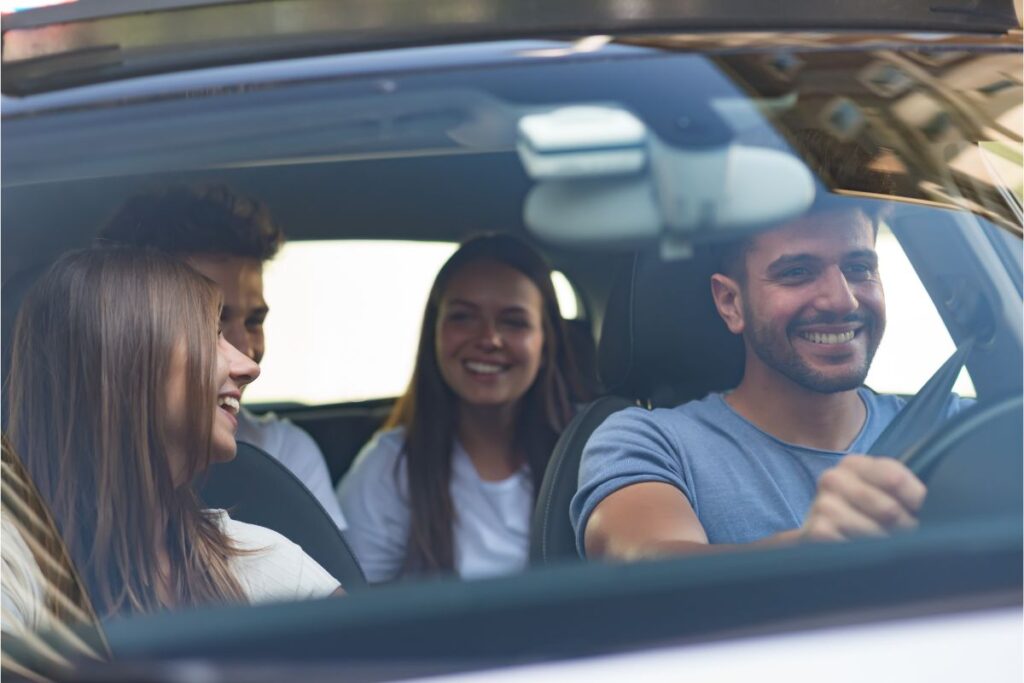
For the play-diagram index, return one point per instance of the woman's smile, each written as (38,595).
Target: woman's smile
(228,404)
(489,336)
(485,368)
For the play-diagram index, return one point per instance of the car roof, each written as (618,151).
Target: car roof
(93,41)
(50,138)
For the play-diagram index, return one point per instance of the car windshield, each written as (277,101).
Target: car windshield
(633,161)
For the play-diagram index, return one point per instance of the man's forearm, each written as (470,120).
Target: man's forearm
(654,519)
(634,550)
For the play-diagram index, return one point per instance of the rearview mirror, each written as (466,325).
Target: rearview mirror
(620,185)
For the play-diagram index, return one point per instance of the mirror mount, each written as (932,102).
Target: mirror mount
(604,180)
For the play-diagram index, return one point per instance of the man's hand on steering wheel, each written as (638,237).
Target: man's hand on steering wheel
(863,496)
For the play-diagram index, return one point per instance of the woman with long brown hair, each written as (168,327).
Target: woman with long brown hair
(121,392)
(449,484)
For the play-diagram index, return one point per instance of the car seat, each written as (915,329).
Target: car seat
(580,338)
(255,488)
(662,343)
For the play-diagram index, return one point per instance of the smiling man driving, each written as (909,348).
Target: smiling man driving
(776,459)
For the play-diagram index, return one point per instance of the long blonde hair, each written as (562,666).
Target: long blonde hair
(93,346)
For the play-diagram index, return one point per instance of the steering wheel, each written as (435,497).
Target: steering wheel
(973,463)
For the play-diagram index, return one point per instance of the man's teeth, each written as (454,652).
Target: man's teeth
(484,368)
(229,403)
(821,338)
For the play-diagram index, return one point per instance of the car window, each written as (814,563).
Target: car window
(916,342)
(342,299)
(329,295)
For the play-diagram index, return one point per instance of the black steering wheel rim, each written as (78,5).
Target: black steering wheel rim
(972,463)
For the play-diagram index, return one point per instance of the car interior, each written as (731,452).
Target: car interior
(652,352)
(441,155)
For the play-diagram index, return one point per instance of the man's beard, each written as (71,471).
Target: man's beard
(780,355)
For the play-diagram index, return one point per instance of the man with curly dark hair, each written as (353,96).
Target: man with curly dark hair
(228,238)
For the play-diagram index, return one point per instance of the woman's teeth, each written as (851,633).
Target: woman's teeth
(483,368)
(229,403)
(822,338)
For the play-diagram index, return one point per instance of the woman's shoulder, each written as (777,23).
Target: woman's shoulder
(389,439)
(378,469)
(269,566)
(245,536)
(381,452)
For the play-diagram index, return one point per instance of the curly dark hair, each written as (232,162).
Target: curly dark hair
(203,220)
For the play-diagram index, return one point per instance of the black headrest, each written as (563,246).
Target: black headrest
(580,337)
(662,339)
(256,488)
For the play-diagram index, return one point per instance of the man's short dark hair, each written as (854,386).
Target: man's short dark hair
(837,164)
(731,257)
(205,220)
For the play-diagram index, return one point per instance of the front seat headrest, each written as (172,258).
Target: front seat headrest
(662,339)
(257,489)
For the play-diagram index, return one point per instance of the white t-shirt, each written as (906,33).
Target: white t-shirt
(296,450)
(492,518)
(277,570)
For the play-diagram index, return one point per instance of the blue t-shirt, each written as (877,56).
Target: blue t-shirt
(743,483)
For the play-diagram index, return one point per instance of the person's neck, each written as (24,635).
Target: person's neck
(488,436)
(796,414)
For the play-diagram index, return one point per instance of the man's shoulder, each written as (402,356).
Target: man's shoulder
(264,422)
(882,403)
(662,430)
(279,436)
(712,406)
(690,415)
(889,405)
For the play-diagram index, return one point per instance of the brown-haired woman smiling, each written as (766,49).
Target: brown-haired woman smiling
(121,391)
(449,485)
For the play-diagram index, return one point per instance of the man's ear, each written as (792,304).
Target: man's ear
(728,297)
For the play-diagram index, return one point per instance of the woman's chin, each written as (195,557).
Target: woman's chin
(223,453)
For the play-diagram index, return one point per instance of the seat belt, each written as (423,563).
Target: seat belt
(925,410)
